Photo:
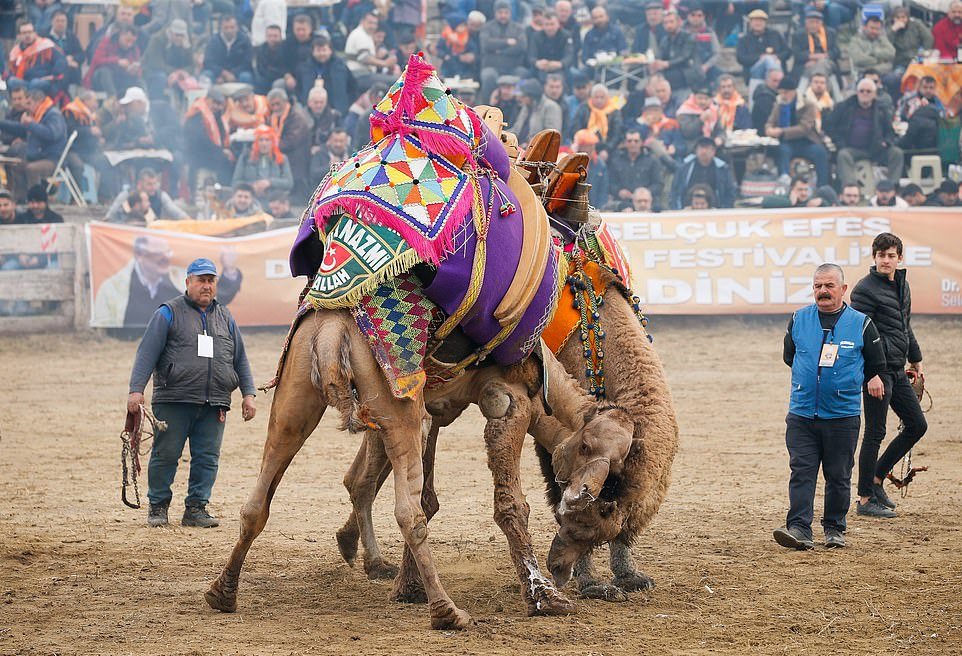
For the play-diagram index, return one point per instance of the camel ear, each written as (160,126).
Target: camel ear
(637,447)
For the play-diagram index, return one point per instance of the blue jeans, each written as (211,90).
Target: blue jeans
(203,426)
(811,151)
(829,444)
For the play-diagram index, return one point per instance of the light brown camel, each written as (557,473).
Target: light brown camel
(330,364)
(616,513)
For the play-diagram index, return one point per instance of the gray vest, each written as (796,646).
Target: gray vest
(184,377)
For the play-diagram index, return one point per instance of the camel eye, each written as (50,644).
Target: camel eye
(584,448)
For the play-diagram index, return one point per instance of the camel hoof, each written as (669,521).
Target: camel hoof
(410,592)
(347,544)
(551,602)
(219,600)
(454,620)
(634,582)
(381,570)
(604,592)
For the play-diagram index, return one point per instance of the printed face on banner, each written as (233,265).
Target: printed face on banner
(135,270)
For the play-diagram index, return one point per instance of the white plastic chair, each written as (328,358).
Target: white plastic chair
(61,174)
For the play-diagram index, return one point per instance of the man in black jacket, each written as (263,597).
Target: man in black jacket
(862,129)
(324,65)
(551,50)
(633,167)
(229,54)
(676,55)
(884,296)
(761,44)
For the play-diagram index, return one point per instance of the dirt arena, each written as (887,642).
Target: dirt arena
(81,574)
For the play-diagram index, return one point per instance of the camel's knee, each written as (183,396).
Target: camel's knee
(414,527)
(496,401)
(510,510)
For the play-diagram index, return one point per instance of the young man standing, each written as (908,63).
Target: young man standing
(884,296)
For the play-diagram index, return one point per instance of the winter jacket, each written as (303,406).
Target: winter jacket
(162,57)
(644,171)
(908,41)
(237,58)
(263,168)
(889,304)
(338,81)
(611,39)
(678,50)
(542,115)
(871,53)
(724,183)
(841,125)
(45,139)
(495,51)
(803,122)
(752,46)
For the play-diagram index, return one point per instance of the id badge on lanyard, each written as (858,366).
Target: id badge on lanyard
(828,356)
(205,346)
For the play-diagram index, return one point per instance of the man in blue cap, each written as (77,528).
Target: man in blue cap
(194,350)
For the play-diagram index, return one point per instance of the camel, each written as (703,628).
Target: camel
(614,514)
(329,363)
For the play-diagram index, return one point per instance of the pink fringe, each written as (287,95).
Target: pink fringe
(430,250)
(443,144)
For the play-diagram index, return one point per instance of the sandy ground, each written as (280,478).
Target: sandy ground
(81,574)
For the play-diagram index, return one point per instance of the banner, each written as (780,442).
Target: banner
(762,261)
(134,270)
(711,262)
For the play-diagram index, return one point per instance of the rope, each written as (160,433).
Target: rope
(130,451)
(906,471)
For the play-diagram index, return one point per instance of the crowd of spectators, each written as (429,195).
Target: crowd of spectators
(677,103)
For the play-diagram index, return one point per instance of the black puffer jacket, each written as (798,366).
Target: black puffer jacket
(889,304)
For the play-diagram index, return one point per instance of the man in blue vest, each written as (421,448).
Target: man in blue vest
(196,355)
(831,349)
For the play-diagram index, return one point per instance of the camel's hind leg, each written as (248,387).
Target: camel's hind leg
(403,424)
(408,587)
(363,481)
(295,412)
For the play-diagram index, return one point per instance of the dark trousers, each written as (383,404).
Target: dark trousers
(813,152)
(203,426)
(900,395)
(829,443)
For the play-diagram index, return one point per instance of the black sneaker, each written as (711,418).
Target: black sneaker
(834,539)
(873,509)
(157,516)
(879,493)
(793,538)
(199,517)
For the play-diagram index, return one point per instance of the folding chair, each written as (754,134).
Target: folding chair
(62,174)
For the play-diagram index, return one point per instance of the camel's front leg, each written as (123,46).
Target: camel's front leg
(507,409)
(295,412)
(627,576)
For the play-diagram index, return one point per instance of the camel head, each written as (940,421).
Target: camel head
(592,456)
(588,469)
(579,532)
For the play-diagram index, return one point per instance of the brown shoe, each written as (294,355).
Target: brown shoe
(561,181)
(543,147)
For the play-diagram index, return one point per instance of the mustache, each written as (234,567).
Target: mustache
(825,296)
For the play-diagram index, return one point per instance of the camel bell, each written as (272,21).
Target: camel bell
(576,208)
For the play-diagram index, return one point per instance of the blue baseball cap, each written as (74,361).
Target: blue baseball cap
(201,267)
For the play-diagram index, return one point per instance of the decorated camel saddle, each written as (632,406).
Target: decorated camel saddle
(423,237)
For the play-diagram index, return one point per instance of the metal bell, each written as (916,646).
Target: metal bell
(576,207)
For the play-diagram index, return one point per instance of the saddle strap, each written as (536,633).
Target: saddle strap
(482,217)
